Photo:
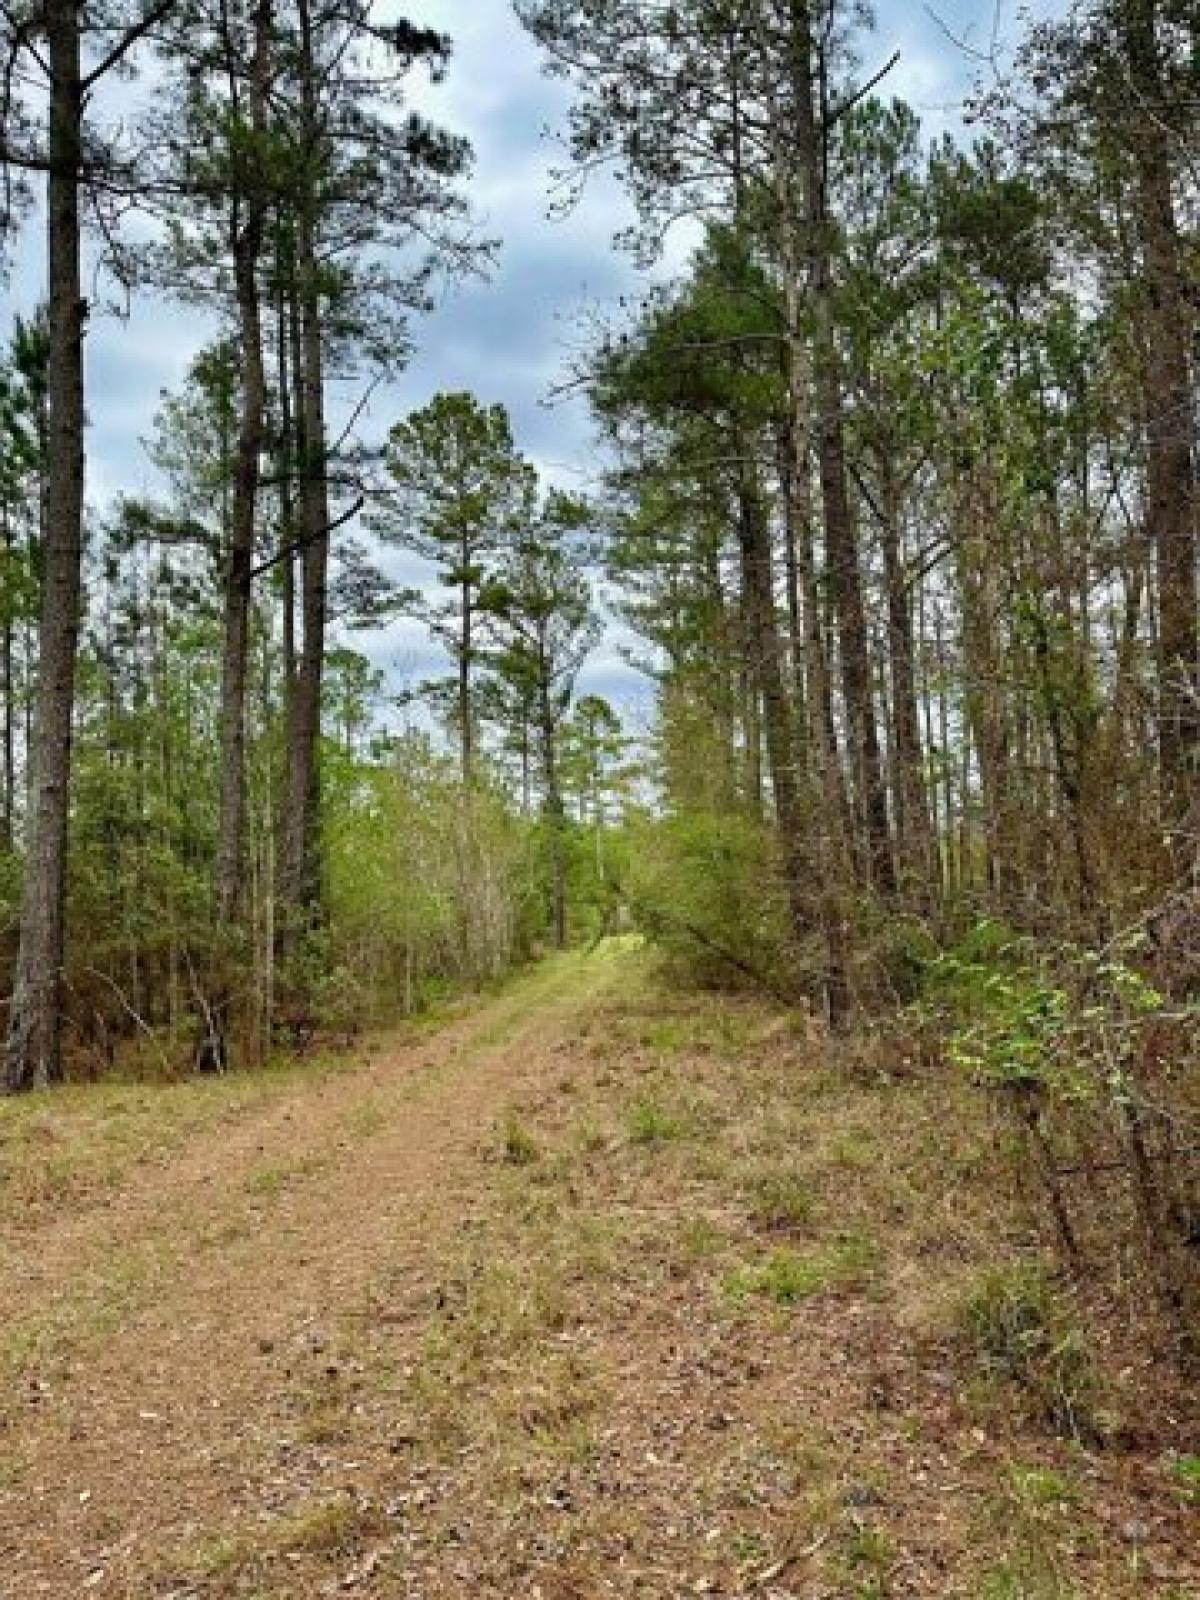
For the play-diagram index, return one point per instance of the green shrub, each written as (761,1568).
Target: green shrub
(1187,1477)
(649,1123)
(1024,1578)
(517,1143)
(1021,1332)
(1041,1486)
(904,952)
(428,884)
(706,888)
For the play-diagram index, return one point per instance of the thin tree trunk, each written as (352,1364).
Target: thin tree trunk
(8,800)
(302,867)
(750,694)
(33,1049)
(841,542)
(466,647)
(834,832)
(555,814)
(911,799)
(980,672)
(794,507)
(246,238)
(302,860)
(1171,496)
(285,364)
(778,725)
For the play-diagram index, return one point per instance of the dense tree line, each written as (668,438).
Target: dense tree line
(193,782)
(905,496)
(905,507)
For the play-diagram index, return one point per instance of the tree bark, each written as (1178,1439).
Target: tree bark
(841,542)
(555,814)
(247,230)
(286,364)
(1171,495)
(980,672)
(8,688)
(302,869)
(33,1050)
(779,723)
(913,831)
(302,884)
(466,731)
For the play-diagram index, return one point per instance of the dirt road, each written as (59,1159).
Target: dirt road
(466,1316)
(156,1342)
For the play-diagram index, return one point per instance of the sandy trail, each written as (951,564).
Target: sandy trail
(160,1338)
(458,1318)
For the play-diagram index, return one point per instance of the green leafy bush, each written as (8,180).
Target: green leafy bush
(428,881)
(1187,1478)
(1096,1070)
(706,888)
(517,1143)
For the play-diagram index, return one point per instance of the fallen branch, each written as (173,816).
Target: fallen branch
(132,1012)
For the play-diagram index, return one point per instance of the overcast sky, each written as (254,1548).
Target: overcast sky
(507,339)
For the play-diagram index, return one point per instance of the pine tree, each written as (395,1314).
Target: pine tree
(458,489)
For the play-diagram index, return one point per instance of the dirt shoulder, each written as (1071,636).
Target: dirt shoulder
(592,1290)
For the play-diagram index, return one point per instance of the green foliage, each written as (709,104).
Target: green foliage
(519,1146)
(705,886)
(677,364)
(458,482)
(904,950)
(1021,1330)
(1024,1578)
(787,1277)
(869,1548)
(1063,1019)
(427,879)
(1041,1486)
(1094,1068)
(542,603)
(651,1124)
(194,443)
(780,1198)
(459,494)
(1186,1472)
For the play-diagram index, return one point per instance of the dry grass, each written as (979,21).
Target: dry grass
(701,1187)
(610,1289)
(70,1150)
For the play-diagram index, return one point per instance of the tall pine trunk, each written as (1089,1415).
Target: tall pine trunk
(33,1049)
(466,728)
(914,836)
(302,867)
(285,468)
(831,828)
(8,689)
(554,812)
(766,660)
(841,535)
(302,882)
(246,240)
(1172,508)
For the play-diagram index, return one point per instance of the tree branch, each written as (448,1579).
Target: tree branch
(126,43)
(297,545)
